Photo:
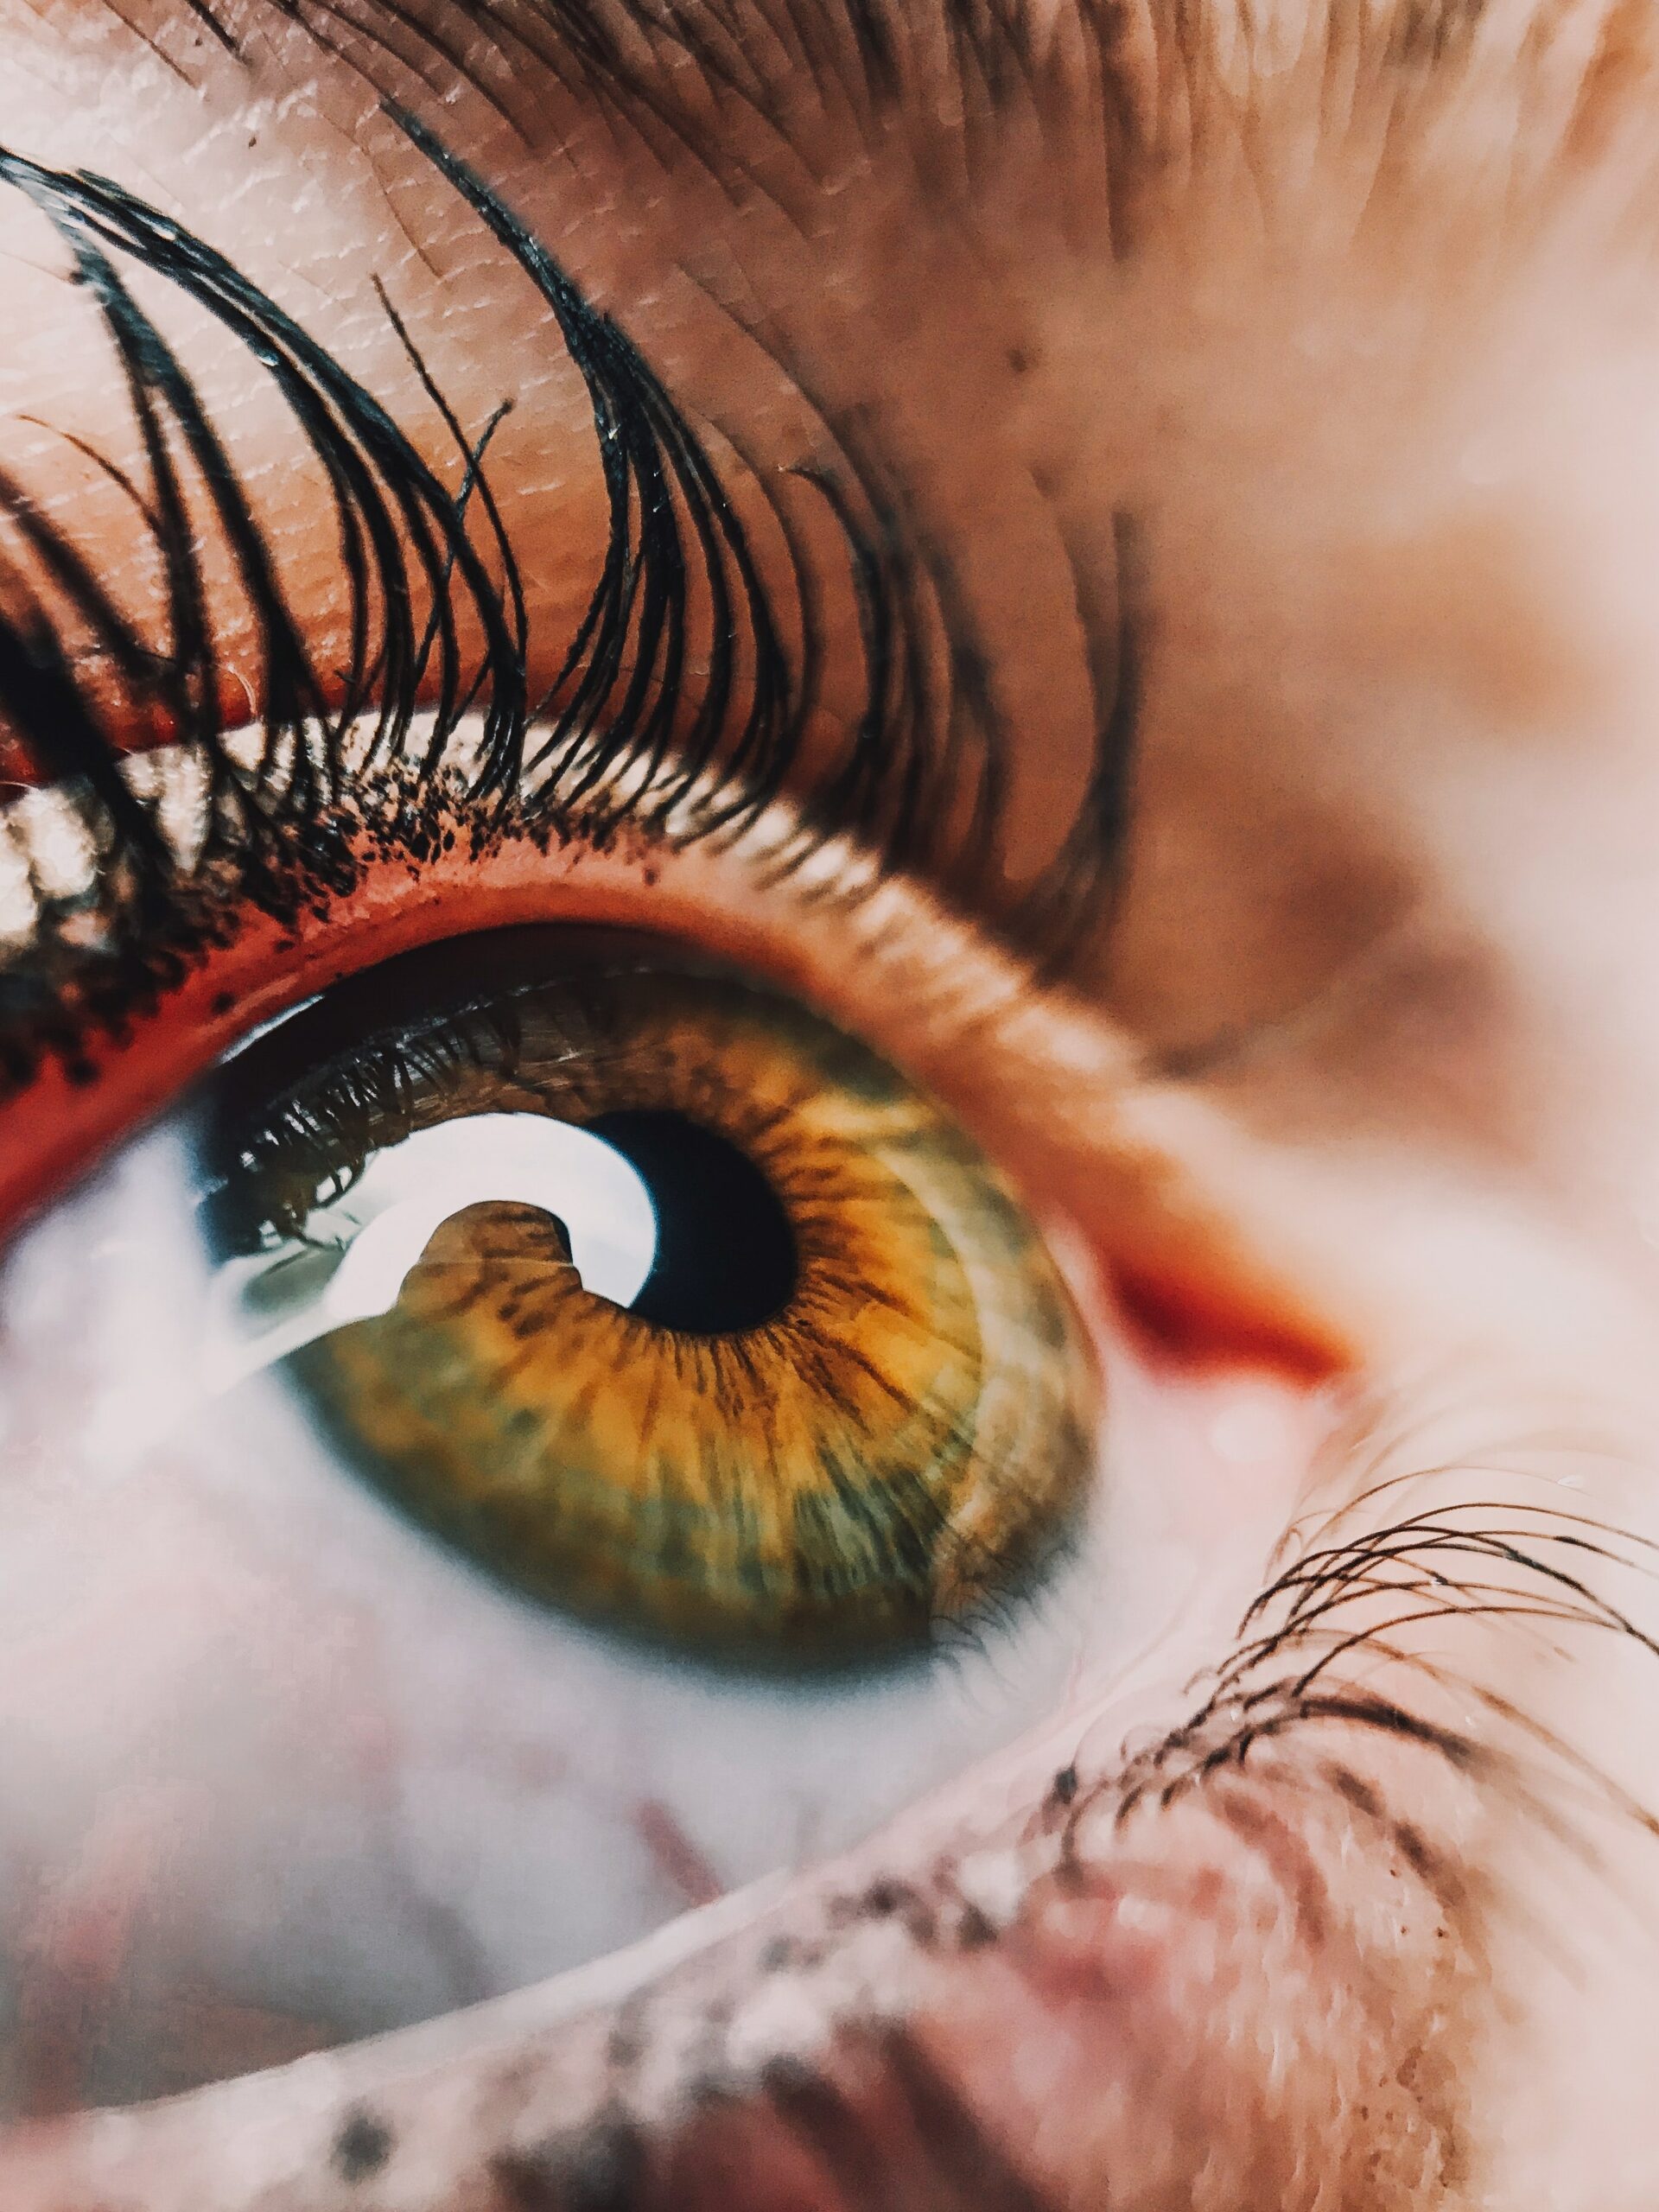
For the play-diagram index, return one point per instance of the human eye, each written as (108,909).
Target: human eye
(601,1375)
(777,1300)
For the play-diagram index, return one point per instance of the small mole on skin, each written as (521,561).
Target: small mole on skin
(362,2146)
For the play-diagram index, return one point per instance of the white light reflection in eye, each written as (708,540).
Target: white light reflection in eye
(350,1263)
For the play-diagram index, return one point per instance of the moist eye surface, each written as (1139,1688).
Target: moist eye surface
(806,1384)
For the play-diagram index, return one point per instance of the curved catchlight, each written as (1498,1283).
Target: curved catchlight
(350,1262)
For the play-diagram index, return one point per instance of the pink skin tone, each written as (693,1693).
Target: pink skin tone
(1372,1054)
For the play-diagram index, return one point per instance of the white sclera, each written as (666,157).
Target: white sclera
(381,1226)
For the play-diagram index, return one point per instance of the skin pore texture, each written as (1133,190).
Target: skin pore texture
(1330,339)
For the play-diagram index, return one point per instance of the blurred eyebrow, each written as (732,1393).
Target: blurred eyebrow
(764,95)
(856,60)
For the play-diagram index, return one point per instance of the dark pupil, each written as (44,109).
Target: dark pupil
(725,1254)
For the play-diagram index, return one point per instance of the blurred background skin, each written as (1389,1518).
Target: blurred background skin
(1359,321)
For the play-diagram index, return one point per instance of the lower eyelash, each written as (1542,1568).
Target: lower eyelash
(1357,1587)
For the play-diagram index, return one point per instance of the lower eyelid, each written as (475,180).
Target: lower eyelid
(1122,1964)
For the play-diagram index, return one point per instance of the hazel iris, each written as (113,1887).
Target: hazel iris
(850,1403)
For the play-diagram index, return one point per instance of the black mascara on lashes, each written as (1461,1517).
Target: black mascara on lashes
(405,544)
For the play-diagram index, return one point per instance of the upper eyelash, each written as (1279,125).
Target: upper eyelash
(617,742)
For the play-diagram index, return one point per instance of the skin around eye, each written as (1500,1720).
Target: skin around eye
(851,1404)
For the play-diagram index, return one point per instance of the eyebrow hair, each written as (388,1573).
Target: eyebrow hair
(680,71)
(860,59)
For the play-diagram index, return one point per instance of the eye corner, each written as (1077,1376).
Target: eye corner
(1211,1320)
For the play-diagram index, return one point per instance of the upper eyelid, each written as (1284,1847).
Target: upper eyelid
(1142,1181)
(931,704)
(81,1066)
